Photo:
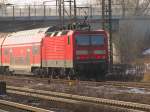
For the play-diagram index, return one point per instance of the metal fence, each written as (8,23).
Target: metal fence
(127,72)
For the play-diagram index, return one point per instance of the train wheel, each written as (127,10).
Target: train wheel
(62,73)
(100,76)
(7,72)
(44,72)
(53,73)
(36,72)
(12,73)
(72,74)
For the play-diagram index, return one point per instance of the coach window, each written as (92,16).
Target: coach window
(6,51)
(35,50)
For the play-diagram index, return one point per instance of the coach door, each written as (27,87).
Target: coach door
(11,57)
(28,57)
(0,57)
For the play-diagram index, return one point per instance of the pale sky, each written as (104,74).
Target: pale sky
(26,2)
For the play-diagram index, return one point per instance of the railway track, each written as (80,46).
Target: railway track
(132,84)
(21,107)
(70,82)
(75,99)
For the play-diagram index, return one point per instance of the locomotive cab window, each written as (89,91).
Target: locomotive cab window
(97,40)
(89,40)
(82,40)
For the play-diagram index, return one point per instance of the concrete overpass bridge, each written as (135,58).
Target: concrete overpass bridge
(14,18)
(21,23)
(18,17)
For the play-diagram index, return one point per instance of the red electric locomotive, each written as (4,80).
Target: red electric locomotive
(73,53)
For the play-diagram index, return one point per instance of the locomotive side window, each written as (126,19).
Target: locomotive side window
(68,40)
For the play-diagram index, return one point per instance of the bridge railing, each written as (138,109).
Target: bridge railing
(47,10)
(28,10)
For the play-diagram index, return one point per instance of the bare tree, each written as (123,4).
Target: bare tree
(134,7)
(146,43)
(130,7)
(131,40)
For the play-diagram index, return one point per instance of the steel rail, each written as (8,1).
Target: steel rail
(22,106)
(45,97)
(58,99)
(64,97)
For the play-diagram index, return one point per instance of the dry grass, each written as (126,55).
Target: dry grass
(130,97)
(109,92)
(146,77)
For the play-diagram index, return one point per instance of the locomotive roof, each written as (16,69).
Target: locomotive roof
(33,32)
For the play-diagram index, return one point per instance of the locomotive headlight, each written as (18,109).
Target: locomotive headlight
(82,52)
(99,52)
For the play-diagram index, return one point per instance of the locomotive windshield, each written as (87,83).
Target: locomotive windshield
(83,40)
(90,40)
